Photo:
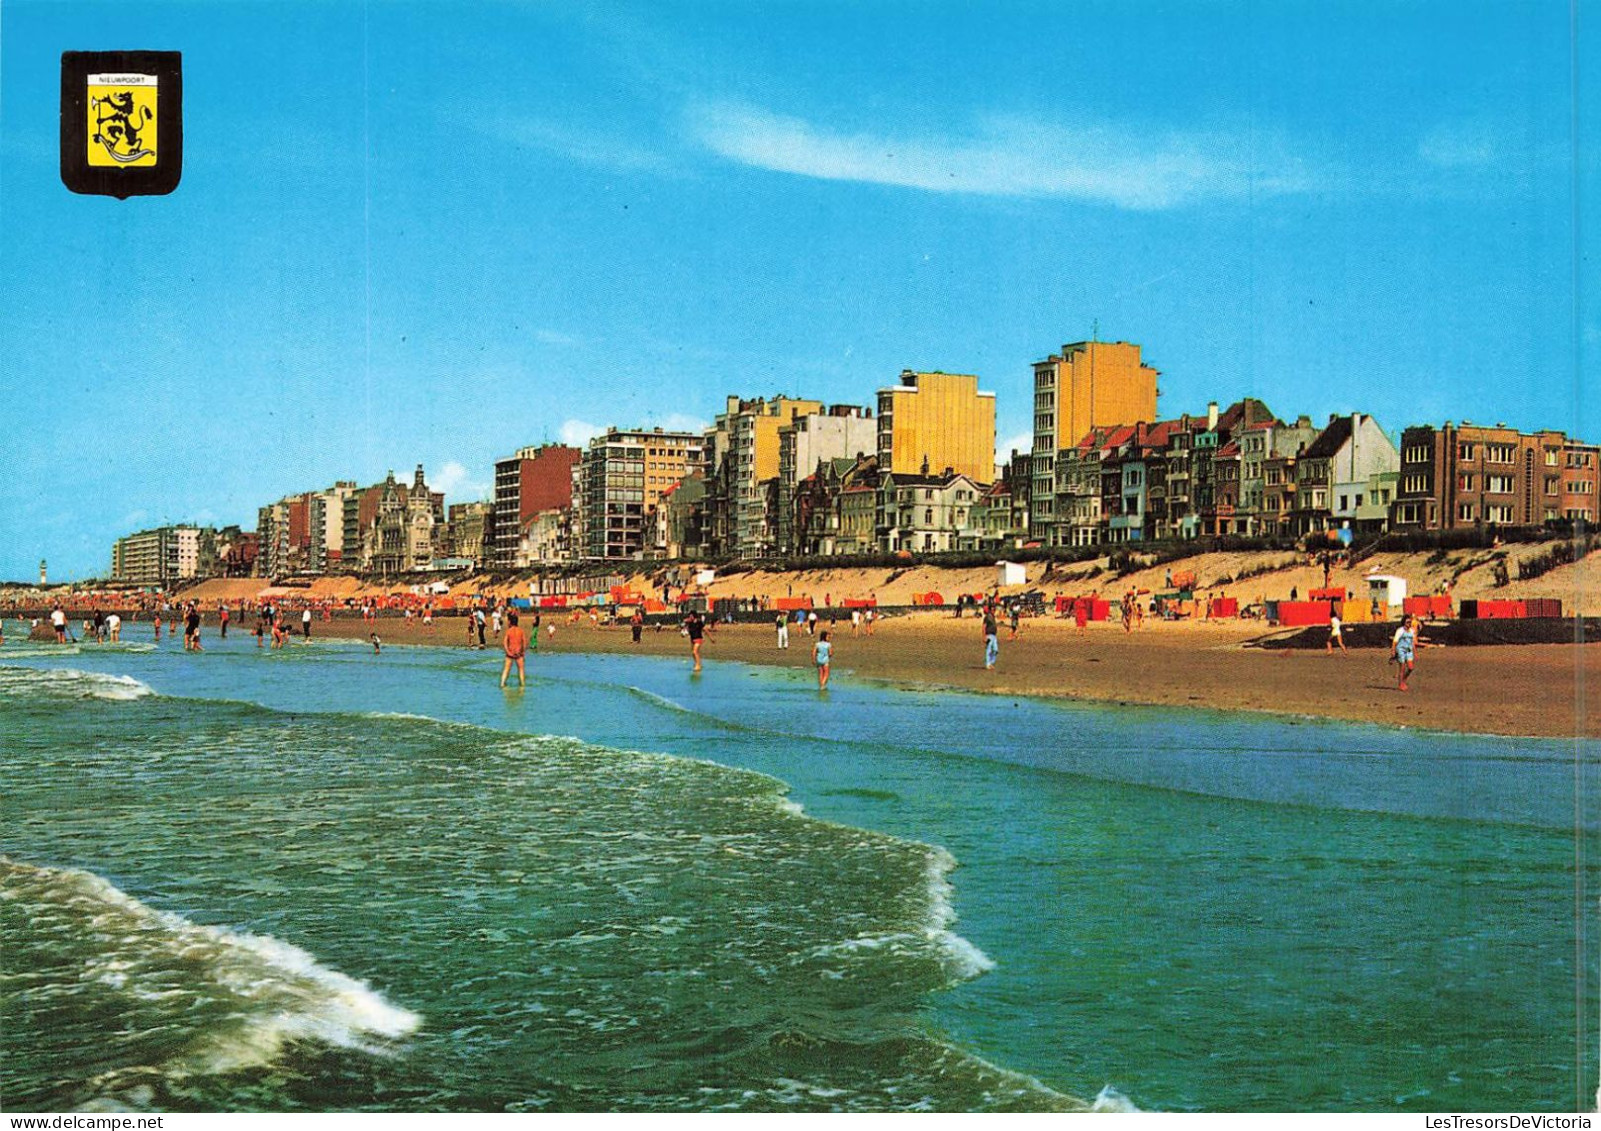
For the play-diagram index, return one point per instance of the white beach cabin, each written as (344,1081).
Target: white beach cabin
(1010,573)
(1387,591)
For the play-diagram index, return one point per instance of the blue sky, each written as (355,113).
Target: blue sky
(433,233)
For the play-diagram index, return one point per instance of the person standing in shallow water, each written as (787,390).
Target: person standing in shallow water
(821,654)
(695,629)
(516,645)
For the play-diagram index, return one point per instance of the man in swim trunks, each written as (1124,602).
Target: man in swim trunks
(516,643)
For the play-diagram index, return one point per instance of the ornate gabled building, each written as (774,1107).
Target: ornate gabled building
(401,537)
(925,513)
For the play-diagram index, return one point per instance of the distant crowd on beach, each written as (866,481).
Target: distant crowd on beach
(517,630)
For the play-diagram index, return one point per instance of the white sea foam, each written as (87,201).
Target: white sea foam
(1110,1099)
(29,649)
(962,960)
(70,683)
(261,993)
(661,700)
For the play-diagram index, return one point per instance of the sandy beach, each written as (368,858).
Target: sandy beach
(1537,690)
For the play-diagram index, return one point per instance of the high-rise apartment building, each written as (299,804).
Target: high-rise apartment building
(1088,385)
(325,520)
(744,442)
(163,556)
(931,423)
(622,477)
(535,480)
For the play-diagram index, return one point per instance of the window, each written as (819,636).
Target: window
(1499,453)
(1551,458)
(1465,482)
(1552,485)
(1344,502)
(928,516)
(1418,453)
(1498,484)
(1498,513)
(1464,512)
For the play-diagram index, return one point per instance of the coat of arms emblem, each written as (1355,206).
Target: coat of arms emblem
(121,122)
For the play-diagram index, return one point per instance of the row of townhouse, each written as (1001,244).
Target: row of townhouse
(1241,471)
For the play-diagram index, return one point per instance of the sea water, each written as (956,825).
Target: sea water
(326,879)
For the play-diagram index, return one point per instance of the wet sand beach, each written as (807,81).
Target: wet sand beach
(1534,690)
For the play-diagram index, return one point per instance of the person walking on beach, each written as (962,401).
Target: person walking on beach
(820,656)
(637,624)
(695,629)
(783,630)
(992,640)
(1017,613)
(478,623)
(1334,632)
(856,620)
(1402,645)
(871,618)
(516,644)
(811,623)
(305,622)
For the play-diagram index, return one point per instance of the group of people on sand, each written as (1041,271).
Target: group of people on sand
(694,629)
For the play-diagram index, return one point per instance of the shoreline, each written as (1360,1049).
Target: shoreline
(1524,690)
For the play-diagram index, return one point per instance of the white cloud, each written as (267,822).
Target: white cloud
(586,146)
(1457,145)
(578,433)
(1022,442)
(1014,157)
(456,481)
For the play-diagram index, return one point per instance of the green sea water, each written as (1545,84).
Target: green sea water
(325,879)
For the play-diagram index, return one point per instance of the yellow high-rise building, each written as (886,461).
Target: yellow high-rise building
(1088,385)
(937,420)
